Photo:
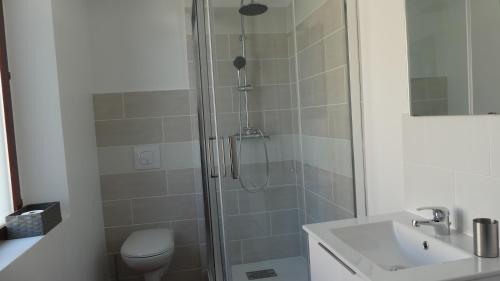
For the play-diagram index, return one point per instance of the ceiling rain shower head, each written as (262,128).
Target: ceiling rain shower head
(253,9)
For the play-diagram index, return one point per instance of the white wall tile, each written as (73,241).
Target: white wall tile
(414,139)
(495,146)
(476,196)
(459,143)
(428,186)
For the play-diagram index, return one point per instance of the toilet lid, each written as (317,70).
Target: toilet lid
(148,243)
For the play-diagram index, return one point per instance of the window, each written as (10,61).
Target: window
(10,197)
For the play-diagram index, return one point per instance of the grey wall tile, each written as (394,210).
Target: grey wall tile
(285,222)
(318,181)
(181,181)
(127,186)
(272,198)
(178,129)
(321,210)
(186,232)
(108,106)
(158,209)
(343,192)
(247,226)
(230,201)
(155,104)
(255,250)
(117,213)
(129,132)
(282,173)
(235,252)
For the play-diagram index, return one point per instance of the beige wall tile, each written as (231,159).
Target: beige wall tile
(185,257)
(129,132)
(278,122)
(181,181)
(186,232)
(222,46)
(178,129)
(108,106)
(339,121)
(275,71)
(315,121)
(115,159)
(134,185)
(312,60)
(336,50)
(158,209)
(154,104)
(336,86)
(185,275)
(117,213)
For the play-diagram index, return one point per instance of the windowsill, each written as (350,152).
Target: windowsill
(11,250)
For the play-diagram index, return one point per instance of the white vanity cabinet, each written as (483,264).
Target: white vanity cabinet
(325,266)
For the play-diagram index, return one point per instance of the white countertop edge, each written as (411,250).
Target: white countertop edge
(461,270)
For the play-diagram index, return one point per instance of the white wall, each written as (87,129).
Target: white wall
(450,161)
(385,96)
(47,45)
(138,45)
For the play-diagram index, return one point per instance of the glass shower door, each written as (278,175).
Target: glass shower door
(274,107)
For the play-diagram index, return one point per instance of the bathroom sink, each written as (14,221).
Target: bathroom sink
(393,246)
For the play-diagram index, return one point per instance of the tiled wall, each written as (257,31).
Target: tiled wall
(168,197)
(453,162)
(429,96)
(263,225)
(325,114)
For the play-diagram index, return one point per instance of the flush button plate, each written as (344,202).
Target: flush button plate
(147,157)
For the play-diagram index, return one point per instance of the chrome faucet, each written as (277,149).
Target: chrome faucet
(440,220)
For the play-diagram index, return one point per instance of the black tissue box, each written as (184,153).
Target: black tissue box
(44,217)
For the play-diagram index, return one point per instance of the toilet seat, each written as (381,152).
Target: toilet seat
(149,243)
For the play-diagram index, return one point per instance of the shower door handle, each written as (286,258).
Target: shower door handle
(211,162)
(223,151)
(233,154)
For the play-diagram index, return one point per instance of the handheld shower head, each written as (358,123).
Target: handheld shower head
(239,62)
(253,9)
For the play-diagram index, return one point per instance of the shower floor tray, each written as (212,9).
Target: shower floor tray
(289,269)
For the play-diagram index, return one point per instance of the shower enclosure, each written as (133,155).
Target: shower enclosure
(280,129)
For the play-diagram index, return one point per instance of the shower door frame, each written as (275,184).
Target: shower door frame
(202,20)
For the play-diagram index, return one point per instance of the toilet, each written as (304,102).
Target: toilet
(149,252)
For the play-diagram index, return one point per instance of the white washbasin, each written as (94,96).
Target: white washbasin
(393,246)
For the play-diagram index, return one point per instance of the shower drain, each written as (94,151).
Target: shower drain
(397,267)
(261,274)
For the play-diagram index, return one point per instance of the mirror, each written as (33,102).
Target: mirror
(454,56)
